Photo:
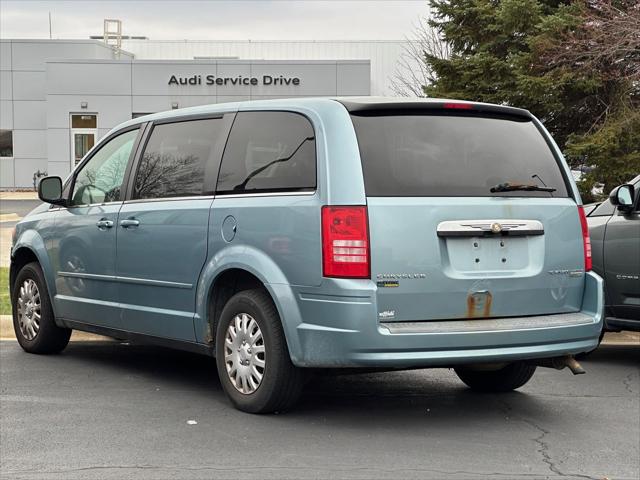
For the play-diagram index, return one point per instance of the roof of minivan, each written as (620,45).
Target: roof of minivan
(352,104)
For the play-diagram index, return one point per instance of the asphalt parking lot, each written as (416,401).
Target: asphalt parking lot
(110,410)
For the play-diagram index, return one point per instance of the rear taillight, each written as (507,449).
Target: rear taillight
(345,242)
(586,241)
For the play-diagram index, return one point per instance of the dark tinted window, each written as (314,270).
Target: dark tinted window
(269,151)
(438,155)
(180,159)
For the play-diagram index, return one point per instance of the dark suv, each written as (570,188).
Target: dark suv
(615,239)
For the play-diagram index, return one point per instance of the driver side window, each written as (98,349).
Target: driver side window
(100,179)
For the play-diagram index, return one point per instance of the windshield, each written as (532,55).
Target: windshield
(447,155)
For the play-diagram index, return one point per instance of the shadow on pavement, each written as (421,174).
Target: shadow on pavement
(399,398)
(622,355)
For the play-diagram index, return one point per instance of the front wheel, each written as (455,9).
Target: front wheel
(252,357)
(505,379)
(33,320)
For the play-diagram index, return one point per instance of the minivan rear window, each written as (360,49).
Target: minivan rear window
(453,155)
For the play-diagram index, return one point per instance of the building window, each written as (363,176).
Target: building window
(84,121)
(139,114)
(6,143)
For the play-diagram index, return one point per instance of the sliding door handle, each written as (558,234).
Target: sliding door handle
(103,224)
(129,223)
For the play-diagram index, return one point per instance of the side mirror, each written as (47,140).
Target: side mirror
(622,197)
(50,190)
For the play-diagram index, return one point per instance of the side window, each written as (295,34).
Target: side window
(100,179)
(269,151)
(180,159)
(605,209)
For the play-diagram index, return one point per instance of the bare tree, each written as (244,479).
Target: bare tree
(412,71)
(606,41)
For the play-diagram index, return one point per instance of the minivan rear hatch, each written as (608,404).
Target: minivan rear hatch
(470,214)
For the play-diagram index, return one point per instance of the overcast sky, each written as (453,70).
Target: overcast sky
(223,20)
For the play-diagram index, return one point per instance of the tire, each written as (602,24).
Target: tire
(30,298)
(281,383)
(508,378)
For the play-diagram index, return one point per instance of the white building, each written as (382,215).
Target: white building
(58,97)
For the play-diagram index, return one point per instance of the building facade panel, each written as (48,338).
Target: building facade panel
(59,143)
(6,114)
(29,144)
(89,78)
(5,55)
(31,55)
(7,179)
(29,85)
(29,115)
(350,77)
(59,169)
(6,85)
(26,168)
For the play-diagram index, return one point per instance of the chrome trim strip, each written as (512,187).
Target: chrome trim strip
(221,195)
(170,199)
(115,278)
(85,205)
(265,194)
(472,228)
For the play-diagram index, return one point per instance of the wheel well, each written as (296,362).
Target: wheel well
(225,286)
(20,258)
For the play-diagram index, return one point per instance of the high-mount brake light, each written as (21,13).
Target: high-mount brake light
(458,106)
(345,242)
(586,240)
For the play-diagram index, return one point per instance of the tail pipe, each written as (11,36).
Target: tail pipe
(561,362)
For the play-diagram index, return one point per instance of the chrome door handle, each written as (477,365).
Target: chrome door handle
(104,223)
(129,223)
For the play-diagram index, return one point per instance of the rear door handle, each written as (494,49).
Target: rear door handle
(104,224)
(129,223)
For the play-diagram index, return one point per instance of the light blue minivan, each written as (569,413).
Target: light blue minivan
(283,236)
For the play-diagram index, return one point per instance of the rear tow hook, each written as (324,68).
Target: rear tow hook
(561,362)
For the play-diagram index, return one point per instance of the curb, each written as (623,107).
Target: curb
(9,217)
(30,195)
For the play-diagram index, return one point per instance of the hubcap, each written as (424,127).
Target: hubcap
(29,309)
(244,353)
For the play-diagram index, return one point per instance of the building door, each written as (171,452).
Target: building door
(84,133)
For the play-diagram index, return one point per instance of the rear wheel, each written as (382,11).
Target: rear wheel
(252,357)
(505,379)
(33,320)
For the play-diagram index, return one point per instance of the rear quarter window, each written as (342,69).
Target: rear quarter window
(453,155)
(269,152)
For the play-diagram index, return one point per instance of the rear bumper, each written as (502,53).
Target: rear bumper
(340,332)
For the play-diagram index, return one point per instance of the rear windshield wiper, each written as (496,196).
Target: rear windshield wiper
(513,187)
